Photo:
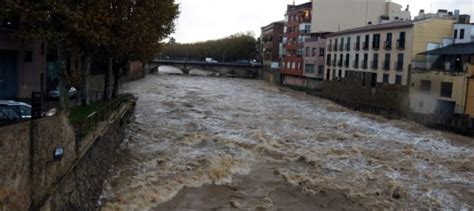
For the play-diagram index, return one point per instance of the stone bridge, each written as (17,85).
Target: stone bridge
(222,69)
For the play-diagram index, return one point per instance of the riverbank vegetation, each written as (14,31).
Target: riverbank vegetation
(110,33)
(241,46)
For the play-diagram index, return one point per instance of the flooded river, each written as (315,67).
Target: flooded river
(210,143)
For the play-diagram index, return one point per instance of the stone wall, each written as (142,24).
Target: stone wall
(26,155)
(81,189)
(385,99)
(15,167)
(31,179)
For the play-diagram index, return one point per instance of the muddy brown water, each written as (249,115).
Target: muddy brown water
(209,143)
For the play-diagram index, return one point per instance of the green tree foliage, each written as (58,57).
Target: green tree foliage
(240,46)
(113,31)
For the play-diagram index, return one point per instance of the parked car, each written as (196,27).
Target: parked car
(8,115)
(211,60)
(55,92)
(255,62)
(22,110)
(244,62)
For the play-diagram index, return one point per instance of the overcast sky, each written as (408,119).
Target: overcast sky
(202,20)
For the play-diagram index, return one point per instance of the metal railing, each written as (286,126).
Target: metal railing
(83,127)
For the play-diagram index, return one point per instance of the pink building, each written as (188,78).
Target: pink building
(314,49)
(21,64)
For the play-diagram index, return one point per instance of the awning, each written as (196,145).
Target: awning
(456,49)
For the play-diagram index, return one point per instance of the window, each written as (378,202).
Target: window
(385,78)
(398,80)
(321,52)
(401,40)
(348,44)
(366,43)
(461,34)
(309,68)
(357,45)
(386,63)
(313,52)
(455,34)
(399,63)
(328,59)
(356,61)
(425,86)
(341,46)
(388,42)
(28,57)
(375,62)
(346,64)
(320,69)
(376,41)
(446,89)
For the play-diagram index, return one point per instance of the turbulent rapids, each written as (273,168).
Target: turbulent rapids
(220,143)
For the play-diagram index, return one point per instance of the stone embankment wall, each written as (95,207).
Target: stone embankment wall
(31,179)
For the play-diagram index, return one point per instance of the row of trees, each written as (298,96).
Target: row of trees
(115,31)
(240,46)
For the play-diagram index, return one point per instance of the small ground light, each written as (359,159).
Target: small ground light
(58,153)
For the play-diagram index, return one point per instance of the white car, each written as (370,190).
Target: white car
(22,109)
(211,60)
(55,93)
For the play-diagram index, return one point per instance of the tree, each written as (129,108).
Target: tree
(139,28)
(240,46)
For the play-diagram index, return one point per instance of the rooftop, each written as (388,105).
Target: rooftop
(456,49)
(391,25)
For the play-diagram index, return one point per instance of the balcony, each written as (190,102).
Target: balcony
(387,45)
(365,46)
(399,66)
(329,47)
(339,63)
(401,44)
(375,64)
(364,64)
(386,65)
(348,46)
(356,64)
(357,46)
(376,45)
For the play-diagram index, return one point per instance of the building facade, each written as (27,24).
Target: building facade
(340,15)
(375,60)
(314,52)
(21,64)
(271,37)
(297,26)
(443,81)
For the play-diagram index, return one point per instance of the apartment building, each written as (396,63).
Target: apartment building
(297,26)
(444,84)
(21,63)
(340,15)
(375,60)
(271,37)
(442,79)
(314,52)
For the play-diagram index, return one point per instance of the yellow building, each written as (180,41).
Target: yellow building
(442,81)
